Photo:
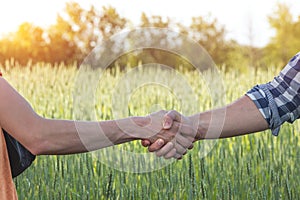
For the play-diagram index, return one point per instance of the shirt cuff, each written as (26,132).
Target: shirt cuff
(275,121)
(264,101)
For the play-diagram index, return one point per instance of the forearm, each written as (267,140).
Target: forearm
(46,136)
(239,118)
(66,137)
(266,106)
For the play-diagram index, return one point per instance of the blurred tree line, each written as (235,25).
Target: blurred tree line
(77,31)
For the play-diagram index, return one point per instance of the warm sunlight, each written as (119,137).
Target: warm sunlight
(149,99)
(15,12)
(237,16)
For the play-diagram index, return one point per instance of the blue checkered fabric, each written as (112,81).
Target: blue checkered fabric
(279,100)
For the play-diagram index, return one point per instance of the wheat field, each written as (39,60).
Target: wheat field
(257,166)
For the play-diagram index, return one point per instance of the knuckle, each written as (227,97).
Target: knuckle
(158,154)
(172,111)
(162,111)
(176,125)
(150,149)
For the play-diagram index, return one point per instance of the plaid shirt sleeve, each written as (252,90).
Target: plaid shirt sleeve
(279,100)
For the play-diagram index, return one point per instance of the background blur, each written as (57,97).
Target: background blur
(43,43)
(236,34)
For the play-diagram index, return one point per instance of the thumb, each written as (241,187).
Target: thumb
(170,117)
(146,142)
(167,121)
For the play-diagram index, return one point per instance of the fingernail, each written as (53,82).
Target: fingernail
(160,142)
(166,124)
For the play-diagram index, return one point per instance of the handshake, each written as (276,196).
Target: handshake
(167,133)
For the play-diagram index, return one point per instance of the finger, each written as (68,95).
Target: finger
(167,121)
(180,149)
(184,141)
(165,149)
(177,156)
(156,145)
(188,130)
(145,143)
(170,154)
(192,146)
(169,117)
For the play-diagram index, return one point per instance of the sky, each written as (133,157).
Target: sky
(238,16)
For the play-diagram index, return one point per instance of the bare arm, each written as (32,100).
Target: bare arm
(265,106)
(239,118)
(47,136)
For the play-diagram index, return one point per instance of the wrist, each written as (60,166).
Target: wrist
(131,128)
(141,121)
(200,124)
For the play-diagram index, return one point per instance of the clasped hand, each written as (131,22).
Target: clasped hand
(175,137)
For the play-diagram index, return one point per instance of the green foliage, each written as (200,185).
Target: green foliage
(286,41)
(258,166)
(27,42)
(211,36)
(75,34)
(77,31)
